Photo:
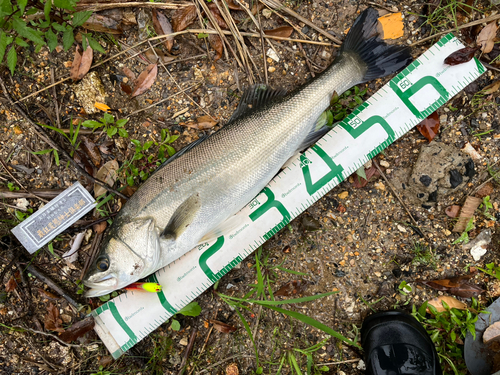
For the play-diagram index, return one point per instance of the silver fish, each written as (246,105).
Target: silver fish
(194,194)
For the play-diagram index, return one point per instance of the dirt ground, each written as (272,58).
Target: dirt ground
(360,242)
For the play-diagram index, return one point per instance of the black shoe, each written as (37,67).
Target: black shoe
(395,343)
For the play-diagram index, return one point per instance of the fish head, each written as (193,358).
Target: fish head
(129,252)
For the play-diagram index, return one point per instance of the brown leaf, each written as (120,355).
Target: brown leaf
(153,56)
(429,127)
(282,31)
(103,24)
(126,88)
(82,160)
(92,151)
(217,16)
(77,330)
(183,17)
(486,190)
(452,211)
(491,88)
(107,174)
(232,5)
(13,282)
(104,147)
(459,286)
(201,123)
(257,7)
(128,73)
(222,327)
(468,209)
(52,321)
(47,295)
(81,63)
(216,43)
(100,227)
(292,288)
(371,173)
(162,26)
(145,80)
(486,38)
(452,302)
(461,56)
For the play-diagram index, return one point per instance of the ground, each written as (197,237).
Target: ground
(358,241)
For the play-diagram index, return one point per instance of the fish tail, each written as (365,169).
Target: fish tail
(381,59)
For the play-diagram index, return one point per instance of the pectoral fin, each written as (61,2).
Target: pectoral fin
(182,217)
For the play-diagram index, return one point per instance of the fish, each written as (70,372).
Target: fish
(194,195)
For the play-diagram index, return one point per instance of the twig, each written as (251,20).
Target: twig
(275,4)
(15,207)
(189,348)
(491,67)
(484,183)
(96,7)
(473,23)
(340,362)
(394,192)
(22,186)
(193,31)
(44,279)
(307,60)
(256,325)
(44,193)
(54,95)
(45,334)
(379,6)
(225,360)
(44,136)
(93,251)
(208,335)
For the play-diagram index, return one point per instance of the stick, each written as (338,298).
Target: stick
(43,193)
(96,7)
(225,360)
(339,363)
(45,334)
(189,348)
(473,23)
(44,136)
(44,279)
(22,187)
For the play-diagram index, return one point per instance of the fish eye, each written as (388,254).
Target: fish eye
(102,263)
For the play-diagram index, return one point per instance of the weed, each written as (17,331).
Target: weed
(491,270)
(18,30)
(404,288)
(478,135)
(423,255)
(342,105)
(101,371)
(21,216)
(162,346)
(111,127)
(107,297)
(495,175)
(71,137)
(447,330)
(464,237)
(486,206)
(12,187)
(192,309)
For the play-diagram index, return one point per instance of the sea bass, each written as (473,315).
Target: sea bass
(195,193)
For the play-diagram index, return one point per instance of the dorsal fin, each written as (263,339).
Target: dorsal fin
(182,217)
(254,97)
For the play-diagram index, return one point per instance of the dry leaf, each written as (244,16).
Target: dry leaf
(145,80)
(459,286)
(232,369)
(217,16)
(282,32)
(216,43)
(81,63)
(491,88)
(486,38)
(183,17)
(102,106)
(77,330)
(162,26)
(128,73)
(52,321)
(461,56)
(153,56)
(452,211)
(13,282)
(486,190)
(100,227)
(47,295)
(429,127)
(292,288)
(391,26)
(82,160)
(468,209)
(222,327)
(201,123)
(92,151)
(104,147)
(232,5)
(103,24)
(107,174)
(371,173)
(452,302)
(491,333)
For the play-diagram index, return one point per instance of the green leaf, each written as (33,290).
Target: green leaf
(26,32)
(21,42)
(105,298)
(96,46)
(51,39)
(108,119)
(202,35)
(65,4)
(137,144)
(294,363)
(361,172)
(92,124)
(147,145)
(22,5)
(173,138)
(175,325)
(12,59)
(5,8)
(68,38)
(123,133)
(46,9)
(4,42)
(58,27)
(112,130)
(56,157)
(130,180)
(79,18)
(249,331)
(121,122)
(84,42)
(43,152)
(170,150)
(193,309)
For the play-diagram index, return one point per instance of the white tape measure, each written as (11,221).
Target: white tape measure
(406,100)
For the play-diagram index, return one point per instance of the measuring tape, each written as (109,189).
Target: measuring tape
(405,101)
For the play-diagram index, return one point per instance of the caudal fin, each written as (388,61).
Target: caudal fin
(381,58)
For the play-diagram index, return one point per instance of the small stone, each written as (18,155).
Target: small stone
(379,186)
(455,178)
(343,195)
(425,180)
(183,341)
(271,69)
(270,53)
(401,228)
(267,13)
(378,274)
(361,365)
(384,163)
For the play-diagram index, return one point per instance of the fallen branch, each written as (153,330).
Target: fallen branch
(96,7)
(31,195)
(44,193)
(189,348)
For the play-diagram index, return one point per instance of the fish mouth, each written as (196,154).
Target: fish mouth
(100,287)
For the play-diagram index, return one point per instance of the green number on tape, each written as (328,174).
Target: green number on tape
(335,171)
(271,203)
